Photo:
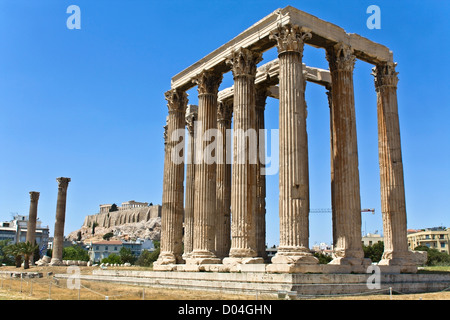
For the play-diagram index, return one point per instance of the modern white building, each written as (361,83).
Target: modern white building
(16,231)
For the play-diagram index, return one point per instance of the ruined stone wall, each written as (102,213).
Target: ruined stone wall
(115,218)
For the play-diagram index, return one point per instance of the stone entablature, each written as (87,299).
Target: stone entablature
(115,218)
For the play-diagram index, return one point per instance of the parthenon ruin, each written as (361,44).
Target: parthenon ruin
(223,213)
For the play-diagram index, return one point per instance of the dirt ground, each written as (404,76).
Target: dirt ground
(48,288)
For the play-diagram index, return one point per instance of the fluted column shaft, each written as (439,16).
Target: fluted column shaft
(333,209)
(32,217)
(191,117)
(58,237)
(223,177)
(173,189)
(346,189)
(260,215)
(205,171)
(294,172)
(243,193)
(393,205)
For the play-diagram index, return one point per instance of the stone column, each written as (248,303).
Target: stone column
(393,205)
(173,189)
(294,172)
(332,134)
(191,118)
(32,216)
(58,238)
(347,203)
(243,191)
(260,214)
(205,170)
(223,178)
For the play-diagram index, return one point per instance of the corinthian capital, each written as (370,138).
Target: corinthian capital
(176,100)
(385,75)
(243,62)
(290,38)
(63,182)
(262,92)
(191,117)
(34,195)
(225,110)
(208,82)
(341,57)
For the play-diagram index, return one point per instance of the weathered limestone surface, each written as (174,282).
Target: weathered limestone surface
(260,214)
(32,216)
(173,189)
(223,177)
(288,29)
(243,192)
(346,191)
(58,239)
(191,117)
(294,174)
(256,37)
(393,206)
(117,218)
(205,171)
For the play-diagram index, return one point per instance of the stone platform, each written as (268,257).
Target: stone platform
(283,268)
(275,284)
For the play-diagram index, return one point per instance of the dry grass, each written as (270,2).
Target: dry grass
(48,288)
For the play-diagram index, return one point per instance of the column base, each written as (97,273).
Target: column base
(166,258)
(55,262)
(407,261)
(294,256)
(349,261)
(242,260)
(197,257)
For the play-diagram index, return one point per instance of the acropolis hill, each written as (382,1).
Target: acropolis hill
(131,220)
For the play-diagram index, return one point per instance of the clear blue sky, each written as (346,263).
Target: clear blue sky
(89,104)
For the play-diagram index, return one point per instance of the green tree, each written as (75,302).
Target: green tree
(112,258)
(93,227)
(75,253)
(113,208)
(5,258)
(14,251)
(147,258)
(323,258)
(26,249)
(127,256)
(108,236)
(434,256)
(374,252)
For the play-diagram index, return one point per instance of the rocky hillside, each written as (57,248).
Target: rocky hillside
(150,229)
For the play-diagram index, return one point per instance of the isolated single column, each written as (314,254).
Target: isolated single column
(32,217)
(58,238)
